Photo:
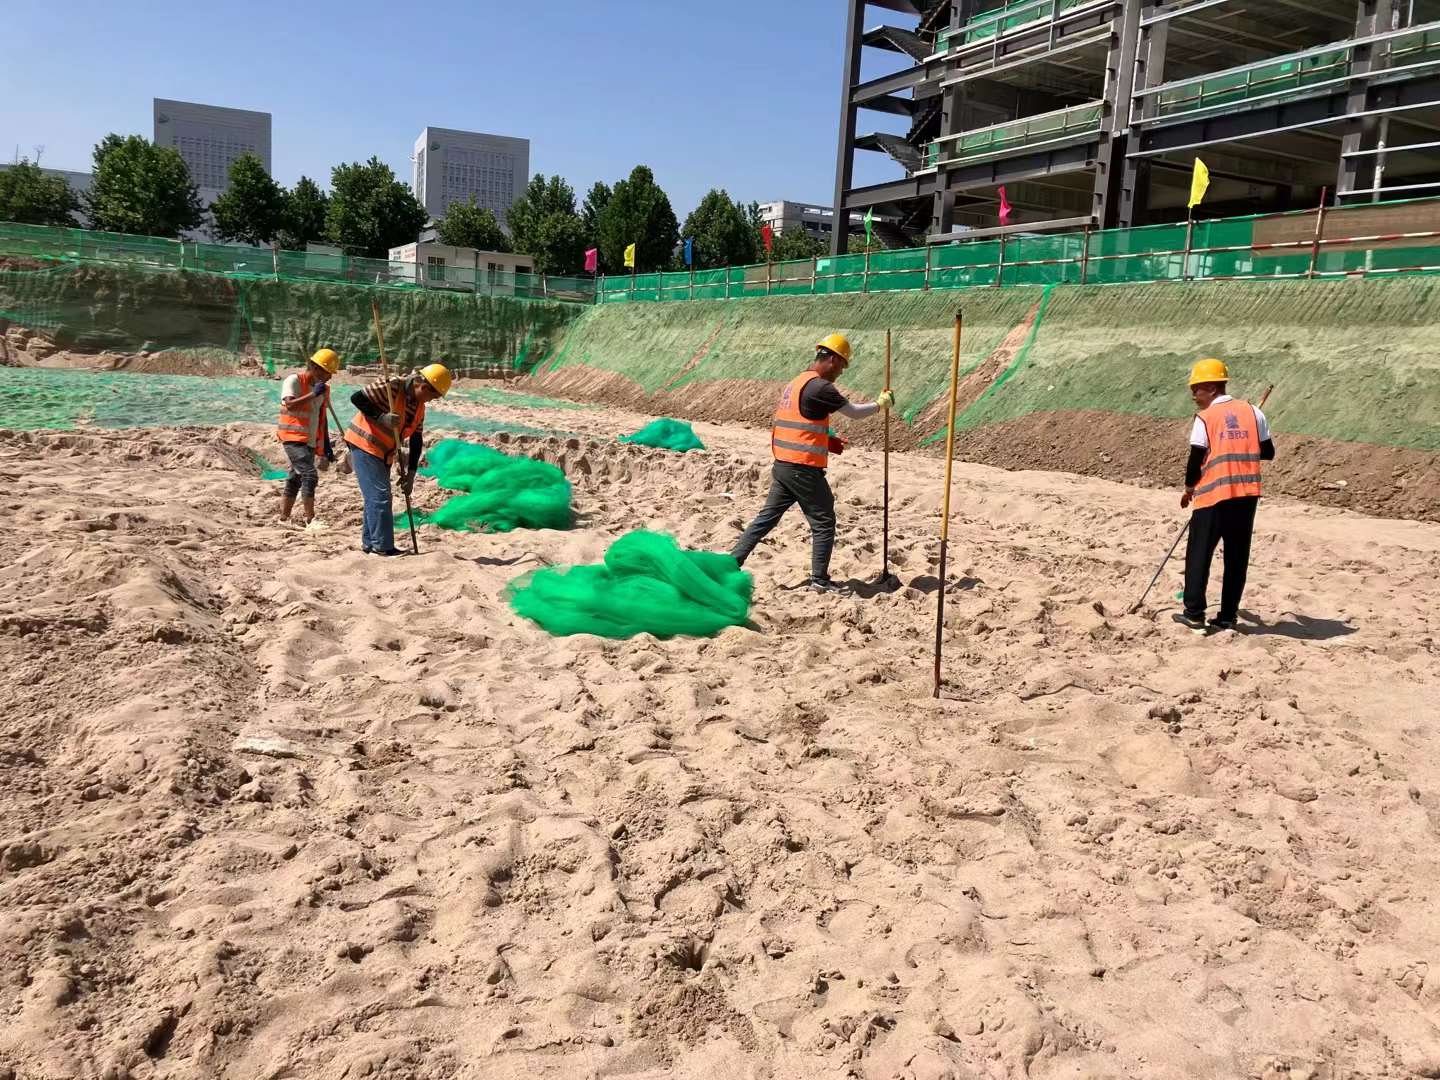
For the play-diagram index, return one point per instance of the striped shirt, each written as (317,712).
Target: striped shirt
(377,393)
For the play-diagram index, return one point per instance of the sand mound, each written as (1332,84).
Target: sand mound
(276,809)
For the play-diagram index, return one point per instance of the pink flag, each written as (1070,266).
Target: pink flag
(592,259)
(1005,207)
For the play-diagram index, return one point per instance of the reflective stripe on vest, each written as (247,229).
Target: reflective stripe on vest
(295,420)
(374,439)
(1232,467)
(794,437)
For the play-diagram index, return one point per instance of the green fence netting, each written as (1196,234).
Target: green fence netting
(500,492)
(646,585)
(666,434)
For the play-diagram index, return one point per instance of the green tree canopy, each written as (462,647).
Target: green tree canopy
(596,199)
(468,225)
(142,188)
(371,211)
(252,208)
(796,243)
(721,231)
(305,209)
(545,226)
(31,197)
(638,213)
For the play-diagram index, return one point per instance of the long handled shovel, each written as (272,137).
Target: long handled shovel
(886,579)
(945,515)
(390,393)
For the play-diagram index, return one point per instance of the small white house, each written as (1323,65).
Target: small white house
(440,266)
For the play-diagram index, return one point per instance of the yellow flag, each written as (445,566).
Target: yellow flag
(630,256)
(1199,183)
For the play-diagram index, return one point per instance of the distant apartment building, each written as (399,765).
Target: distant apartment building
(451,166)
(210,138)
(79,184)
(817,221)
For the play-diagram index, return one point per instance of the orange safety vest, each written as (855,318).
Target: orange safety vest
(375,440)
(294,426)
(1232,466)
(794,437)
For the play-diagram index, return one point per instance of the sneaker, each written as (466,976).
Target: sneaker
(1194,622)
(827,585)
(1216,625)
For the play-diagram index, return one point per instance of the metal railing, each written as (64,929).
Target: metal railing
(1031,131)
(1002,20)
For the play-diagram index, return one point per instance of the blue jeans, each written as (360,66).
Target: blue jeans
(373,475)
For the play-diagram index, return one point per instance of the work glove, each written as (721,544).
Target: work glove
(837,445)
(885,400)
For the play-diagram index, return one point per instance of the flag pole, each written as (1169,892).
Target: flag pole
(885,576)
(945,514)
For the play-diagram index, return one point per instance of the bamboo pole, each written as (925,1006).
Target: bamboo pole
(390,397)
(885,512)
(945,514)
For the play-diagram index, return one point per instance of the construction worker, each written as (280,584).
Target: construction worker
(389,414)
(303,431)
(1228,440)
(801,443)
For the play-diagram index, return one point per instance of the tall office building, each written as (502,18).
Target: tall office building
(210,138)
(452,166)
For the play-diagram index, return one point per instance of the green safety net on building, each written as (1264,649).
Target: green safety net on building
(646,585)
(501,491)
(666,434)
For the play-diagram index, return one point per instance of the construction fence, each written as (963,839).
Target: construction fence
(1373,239)
(60,245)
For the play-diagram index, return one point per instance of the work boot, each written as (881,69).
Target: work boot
(1194,622)
(829,586)
(1217,624)
(287,503)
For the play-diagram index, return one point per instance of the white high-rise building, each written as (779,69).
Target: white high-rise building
(452,166)
(210,138)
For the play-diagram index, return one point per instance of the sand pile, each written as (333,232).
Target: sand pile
(275,809)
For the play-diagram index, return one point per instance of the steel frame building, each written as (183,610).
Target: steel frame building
(1091,112)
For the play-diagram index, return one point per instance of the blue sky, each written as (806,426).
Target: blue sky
(739,94)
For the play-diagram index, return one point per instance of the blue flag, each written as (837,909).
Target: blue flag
(689,250)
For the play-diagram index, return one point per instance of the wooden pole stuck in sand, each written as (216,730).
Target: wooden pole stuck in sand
(390,396)
(885,506)
(945,513)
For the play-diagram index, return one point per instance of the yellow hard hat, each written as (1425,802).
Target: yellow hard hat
(438,376)
(328,359)
(839,344)
(1208,371)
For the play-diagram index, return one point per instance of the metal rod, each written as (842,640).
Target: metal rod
(945,513)
(1319,231)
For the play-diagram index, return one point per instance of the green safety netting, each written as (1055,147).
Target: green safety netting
(647,585)
(501,491)
(666,434)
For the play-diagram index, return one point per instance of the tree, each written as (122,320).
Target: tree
(545,226)
(29,196)
(796,243)
(638,213)
(139,187)
(468,225)
(370,211)
(596,200)
(252,209)
(721,231)
(305,209)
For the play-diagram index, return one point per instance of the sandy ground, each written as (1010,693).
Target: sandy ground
(272,809)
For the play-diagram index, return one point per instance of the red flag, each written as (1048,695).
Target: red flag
(767,234)
(1005,207)
(592,258)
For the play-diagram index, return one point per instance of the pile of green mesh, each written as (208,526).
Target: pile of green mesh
(501,492)
(666,434)
(646,585)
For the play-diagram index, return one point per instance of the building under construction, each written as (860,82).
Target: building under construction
(1092,112)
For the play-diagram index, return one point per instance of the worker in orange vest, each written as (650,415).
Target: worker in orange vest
(801,443)
(303,431)
(1228,441)
(375,437)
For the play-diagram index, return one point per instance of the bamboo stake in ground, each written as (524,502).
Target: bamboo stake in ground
(886,578)
(945,514)
(390,397)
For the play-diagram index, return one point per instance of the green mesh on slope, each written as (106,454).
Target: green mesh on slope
(666,434)
(646,585)
(500,492)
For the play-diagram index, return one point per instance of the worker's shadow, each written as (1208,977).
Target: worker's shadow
(929,583)
(488,560)
(1300,627)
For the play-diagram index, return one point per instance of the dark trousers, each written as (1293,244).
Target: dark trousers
(1233,522)
(303,475)
(791,484)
